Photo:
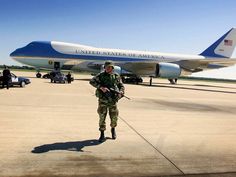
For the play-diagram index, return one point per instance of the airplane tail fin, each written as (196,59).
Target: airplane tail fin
(223,47)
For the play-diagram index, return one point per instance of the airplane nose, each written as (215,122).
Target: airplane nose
(13,54)
(16,53)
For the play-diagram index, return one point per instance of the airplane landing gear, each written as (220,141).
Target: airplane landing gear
(150,81)
(38,75)
(173,81)
(132,79)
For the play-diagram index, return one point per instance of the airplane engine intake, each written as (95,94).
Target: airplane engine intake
(168,70)
(118,70)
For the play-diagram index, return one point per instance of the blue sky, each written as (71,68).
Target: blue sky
(178,26)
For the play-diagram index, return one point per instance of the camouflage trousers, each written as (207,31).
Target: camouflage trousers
(103,108)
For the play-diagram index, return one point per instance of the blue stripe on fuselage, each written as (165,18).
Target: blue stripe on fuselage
(44,49)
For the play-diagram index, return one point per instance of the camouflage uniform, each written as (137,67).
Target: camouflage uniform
(107,101)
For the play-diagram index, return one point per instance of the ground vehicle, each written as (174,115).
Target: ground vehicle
(19,81)
(46,76)
(57,76)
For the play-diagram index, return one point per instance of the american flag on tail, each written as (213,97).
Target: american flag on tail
(228,42)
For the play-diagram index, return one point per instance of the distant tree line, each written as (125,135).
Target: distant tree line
(17,67)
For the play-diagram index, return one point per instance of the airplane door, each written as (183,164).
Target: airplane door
(57,65)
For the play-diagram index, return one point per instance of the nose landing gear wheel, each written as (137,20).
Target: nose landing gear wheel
(38,75)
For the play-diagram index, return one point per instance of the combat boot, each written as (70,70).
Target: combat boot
(113,133)
(102,137)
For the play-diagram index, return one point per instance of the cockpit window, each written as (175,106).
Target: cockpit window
(30,44)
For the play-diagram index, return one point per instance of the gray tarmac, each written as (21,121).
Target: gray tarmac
(50,129)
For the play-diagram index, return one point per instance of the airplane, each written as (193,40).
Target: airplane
(130,64)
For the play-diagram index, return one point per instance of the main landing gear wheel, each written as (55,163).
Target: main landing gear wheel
(132,79)
(173,81)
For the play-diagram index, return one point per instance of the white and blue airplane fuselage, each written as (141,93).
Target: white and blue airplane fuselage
(44,54)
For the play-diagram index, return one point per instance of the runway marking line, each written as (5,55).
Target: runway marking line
(152,145)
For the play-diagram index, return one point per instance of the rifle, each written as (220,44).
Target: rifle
(118,92)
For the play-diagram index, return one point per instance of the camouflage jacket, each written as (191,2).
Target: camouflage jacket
(104,79)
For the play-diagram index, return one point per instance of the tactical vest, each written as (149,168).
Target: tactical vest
(109,81)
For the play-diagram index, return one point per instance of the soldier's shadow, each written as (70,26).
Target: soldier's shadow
(69,146)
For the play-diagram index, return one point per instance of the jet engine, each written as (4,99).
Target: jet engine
(168,70)
(118,70)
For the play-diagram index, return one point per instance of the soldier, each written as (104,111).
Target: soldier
(6,77)
(68,77)
(105,82)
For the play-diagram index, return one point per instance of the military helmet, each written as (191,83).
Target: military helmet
(109,63)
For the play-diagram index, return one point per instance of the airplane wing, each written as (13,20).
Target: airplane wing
(188,66)
(205,64)
(140,68)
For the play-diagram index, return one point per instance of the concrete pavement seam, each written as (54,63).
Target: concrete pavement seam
(199,174)
(152,145)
